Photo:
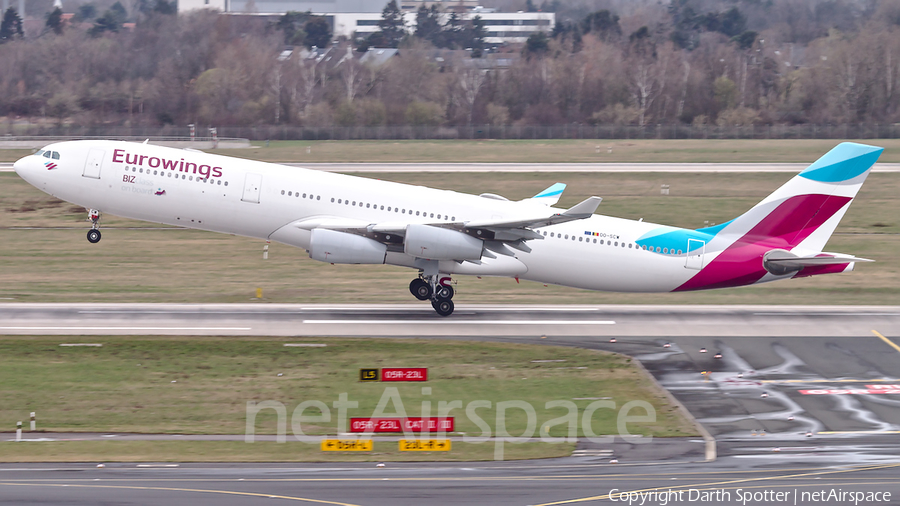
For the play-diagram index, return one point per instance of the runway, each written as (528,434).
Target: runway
(562,481)
(578,325)
(803,399)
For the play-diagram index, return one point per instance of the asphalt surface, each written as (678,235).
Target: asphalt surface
(562,481)
(796,403)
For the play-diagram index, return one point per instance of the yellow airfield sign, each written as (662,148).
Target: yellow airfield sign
(346,445)
(424,445)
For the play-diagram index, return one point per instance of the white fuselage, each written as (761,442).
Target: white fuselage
(271,202)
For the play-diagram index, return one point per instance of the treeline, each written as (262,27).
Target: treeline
(729,62)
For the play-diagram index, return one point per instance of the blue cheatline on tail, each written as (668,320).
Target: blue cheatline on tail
(797,219)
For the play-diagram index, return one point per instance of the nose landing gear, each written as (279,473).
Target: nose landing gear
(93,235)
(437,290)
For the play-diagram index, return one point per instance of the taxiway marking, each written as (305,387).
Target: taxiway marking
(888,341)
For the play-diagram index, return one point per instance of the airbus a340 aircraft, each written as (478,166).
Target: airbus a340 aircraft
(352,220)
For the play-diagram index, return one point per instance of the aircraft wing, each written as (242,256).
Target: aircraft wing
(497,233)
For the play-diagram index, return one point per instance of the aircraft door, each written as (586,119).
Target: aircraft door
(93,163)
(252,184)
(695,249)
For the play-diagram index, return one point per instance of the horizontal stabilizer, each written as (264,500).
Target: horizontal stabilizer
(781,262)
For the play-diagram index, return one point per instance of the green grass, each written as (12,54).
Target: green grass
(44,256)
(543,151)
(201,385)
(554,151)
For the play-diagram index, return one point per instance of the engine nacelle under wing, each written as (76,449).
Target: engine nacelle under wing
(435,243)
(343,248)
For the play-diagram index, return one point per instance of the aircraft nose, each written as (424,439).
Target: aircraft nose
(19,166)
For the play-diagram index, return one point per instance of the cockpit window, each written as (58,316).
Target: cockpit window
(39,153)
(46,154)
(56,155)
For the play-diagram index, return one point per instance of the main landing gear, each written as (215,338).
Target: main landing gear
(440,294)
(93,235)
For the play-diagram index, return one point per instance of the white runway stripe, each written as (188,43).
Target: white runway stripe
(461,322)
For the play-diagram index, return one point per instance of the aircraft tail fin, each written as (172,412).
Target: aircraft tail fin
(805,211)
(788,230)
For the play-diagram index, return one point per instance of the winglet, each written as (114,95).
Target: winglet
(550,196)
(584,208)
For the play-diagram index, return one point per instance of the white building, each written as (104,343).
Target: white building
(359,18)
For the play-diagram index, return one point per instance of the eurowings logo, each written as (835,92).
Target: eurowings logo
(50,165)
(160,192)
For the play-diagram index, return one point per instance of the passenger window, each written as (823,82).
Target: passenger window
(432,215)
(282,192)
(382,208)
(595,241)
(290,194)
(552,235)
(580,239)
(339,201)
(679,252)
(567,236)
(226,183)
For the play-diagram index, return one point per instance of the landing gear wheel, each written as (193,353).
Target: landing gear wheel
(444,307)
(420,289)
(444,292)
(93,236)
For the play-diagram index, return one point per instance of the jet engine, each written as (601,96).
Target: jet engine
(343,248)
(434,243)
